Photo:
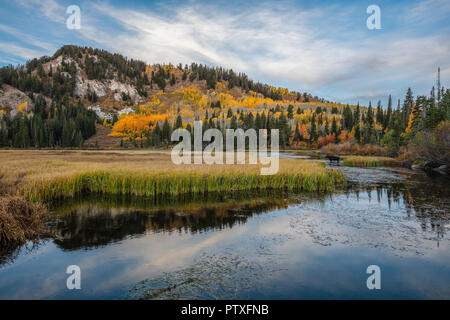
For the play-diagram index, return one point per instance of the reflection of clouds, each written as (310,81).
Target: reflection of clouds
(155,253)
(318,248)
(38,274)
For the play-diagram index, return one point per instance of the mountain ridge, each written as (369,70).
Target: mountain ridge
(94,75)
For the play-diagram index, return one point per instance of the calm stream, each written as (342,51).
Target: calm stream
(247,246)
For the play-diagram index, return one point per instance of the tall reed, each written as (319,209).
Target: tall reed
(44,176)
(361,161)
(132,183)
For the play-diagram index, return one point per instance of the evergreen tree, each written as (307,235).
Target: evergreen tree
(313,133)
(407,108)
(178,122)
(348,118)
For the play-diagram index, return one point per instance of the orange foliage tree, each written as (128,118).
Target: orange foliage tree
(134,126)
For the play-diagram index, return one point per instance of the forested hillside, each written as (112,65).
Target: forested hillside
(66,94)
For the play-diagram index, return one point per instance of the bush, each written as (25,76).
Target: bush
(352,148)
(430,145)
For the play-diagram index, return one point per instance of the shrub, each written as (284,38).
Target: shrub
(430,144)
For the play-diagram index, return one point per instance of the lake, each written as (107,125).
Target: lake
(272,245)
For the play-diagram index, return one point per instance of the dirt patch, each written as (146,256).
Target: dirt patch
(102,139)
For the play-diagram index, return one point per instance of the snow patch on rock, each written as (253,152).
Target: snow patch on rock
(126,110)
(100,113)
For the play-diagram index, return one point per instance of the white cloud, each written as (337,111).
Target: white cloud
(18,51)
(322,50)
(280,43)
(427,11)
(24,37)
(50,9)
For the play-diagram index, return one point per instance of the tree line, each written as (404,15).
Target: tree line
(65,125)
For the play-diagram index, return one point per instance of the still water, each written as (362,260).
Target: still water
(247,246)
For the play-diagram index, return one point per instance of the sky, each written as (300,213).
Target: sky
(322,47)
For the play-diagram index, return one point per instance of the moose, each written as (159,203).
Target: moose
(333,158)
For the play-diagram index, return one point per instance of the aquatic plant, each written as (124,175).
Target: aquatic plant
(46,176)
(360,161)
(132,183)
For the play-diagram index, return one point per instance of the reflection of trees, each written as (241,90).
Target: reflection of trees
(426,199)
(96,221)
(91,225)
(8,254)
(430,201)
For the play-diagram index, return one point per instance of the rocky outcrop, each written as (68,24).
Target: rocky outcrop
(11,98)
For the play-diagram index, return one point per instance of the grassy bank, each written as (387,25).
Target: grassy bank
(361,161)
(43,176)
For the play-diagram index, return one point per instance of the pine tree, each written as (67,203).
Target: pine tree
(387,118)
(290,111)
(313,133)
(407,108)
(358,133)
(178,122)
(369,117)
(348,118)
(233,123)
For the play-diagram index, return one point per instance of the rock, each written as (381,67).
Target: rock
(433,164)
(119,88)
(11,98)
(416,166)
(444,169)
(82,86)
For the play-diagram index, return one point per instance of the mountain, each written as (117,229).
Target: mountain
(89,97)
(93,75)
(111,85)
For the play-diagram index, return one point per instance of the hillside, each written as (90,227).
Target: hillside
(89,97)
(93,75)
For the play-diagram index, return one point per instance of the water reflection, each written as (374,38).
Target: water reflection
(425,198)
(93,222)
(247,245)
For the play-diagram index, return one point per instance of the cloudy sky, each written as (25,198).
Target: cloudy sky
(323,47)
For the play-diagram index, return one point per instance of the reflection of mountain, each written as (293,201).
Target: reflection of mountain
(96,223)
(99,221)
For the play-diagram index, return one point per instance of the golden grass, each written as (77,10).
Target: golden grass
(362,161)
(48,175)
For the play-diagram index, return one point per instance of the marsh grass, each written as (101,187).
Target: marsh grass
(20,221)
(362,161)
(51,175)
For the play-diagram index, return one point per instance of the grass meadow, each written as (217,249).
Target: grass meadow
(43,176)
